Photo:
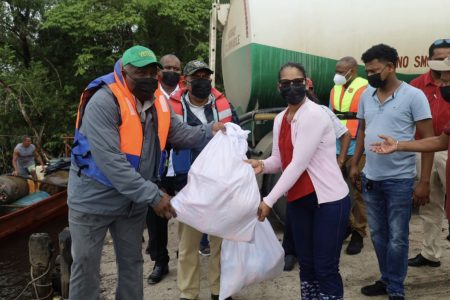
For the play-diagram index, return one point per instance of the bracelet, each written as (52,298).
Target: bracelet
(261,163)
(396,145)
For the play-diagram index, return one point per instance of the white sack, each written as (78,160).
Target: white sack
(221,197)
(243,264)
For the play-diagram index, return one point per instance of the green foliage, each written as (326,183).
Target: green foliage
(51,49)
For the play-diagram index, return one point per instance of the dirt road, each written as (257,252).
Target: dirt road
(422,283)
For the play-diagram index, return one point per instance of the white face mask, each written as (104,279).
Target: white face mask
(340,79)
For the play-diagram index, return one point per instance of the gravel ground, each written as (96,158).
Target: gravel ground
(422,283)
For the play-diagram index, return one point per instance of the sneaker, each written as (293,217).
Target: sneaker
(396,298)
(376,289)
(356,244)
(289,262)
(420,261)
(204,251)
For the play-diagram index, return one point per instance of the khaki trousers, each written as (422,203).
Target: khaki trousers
(432,213)
(358,215)
(188,277)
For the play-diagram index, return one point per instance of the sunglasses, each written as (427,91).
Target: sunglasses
(441,41)
(295,82)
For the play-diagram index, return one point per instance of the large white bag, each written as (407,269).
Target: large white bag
(243,264)
(221,196)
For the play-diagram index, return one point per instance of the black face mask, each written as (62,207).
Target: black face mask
(376,81)
(144,88)
(445,92)
(170,78)
(201,88)
(293,94)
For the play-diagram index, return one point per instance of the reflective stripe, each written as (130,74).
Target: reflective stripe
(225,114)
(130,107)
(163,103)
(347,101)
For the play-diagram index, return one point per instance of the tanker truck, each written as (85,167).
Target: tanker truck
(258,36)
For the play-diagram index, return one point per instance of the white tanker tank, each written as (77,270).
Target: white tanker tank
(260,35)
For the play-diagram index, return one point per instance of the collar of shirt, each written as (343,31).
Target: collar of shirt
(428,80)
(142,108)
(392,97)
(167,95)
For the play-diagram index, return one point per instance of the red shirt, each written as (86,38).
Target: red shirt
(447,132)
(304,185)
(440,109)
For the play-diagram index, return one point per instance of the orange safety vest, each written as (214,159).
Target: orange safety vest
(221,106)
(130,129)
(347,100)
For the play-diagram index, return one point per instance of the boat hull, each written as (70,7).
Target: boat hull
(28,218)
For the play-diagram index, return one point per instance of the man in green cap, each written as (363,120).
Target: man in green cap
(121,132)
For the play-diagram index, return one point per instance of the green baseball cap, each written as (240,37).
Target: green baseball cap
(139,56)
(194,66)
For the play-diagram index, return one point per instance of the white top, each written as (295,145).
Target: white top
(339,128)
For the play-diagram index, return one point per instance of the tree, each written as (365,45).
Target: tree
(51,49)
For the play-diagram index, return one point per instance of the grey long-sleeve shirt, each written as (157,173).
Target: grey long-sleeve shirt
(132,190)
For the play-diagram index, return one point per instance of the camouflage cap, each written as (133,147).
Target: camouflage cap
(194,66)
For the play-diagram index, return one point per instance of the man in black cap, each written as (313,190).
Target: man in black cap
(196,104)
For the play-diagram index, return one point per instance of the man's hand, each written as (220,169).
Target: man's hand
(387,146)
(15,173)
(164,209)
(341,163)
(354,173)
(257,165)
(263,211)
(421,194)
(218,126)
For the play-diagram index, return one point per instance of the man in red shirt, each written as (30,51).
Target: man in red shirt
(433,212)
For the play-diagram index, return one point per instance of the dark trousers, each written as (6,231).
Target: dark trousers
(158,227)
(288,239)
(157,238)
(318,232)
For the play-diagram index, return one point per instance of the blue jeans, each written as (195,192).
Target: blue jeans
(318,232)
(388,203)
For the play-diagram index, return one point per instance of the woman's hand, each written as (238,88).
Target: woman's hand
(263,211)
(387,146)
(257,165)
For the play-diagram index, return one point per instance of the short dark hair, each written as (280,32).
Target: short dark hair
(381,52)
(440,43)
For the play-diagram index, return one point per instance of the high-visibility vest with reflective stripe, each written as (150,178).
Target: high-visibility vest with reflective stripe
(220,106)
(130,128)
(347,100)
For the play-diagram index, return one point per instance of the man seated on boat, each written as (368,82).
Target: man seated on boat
(23,159)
